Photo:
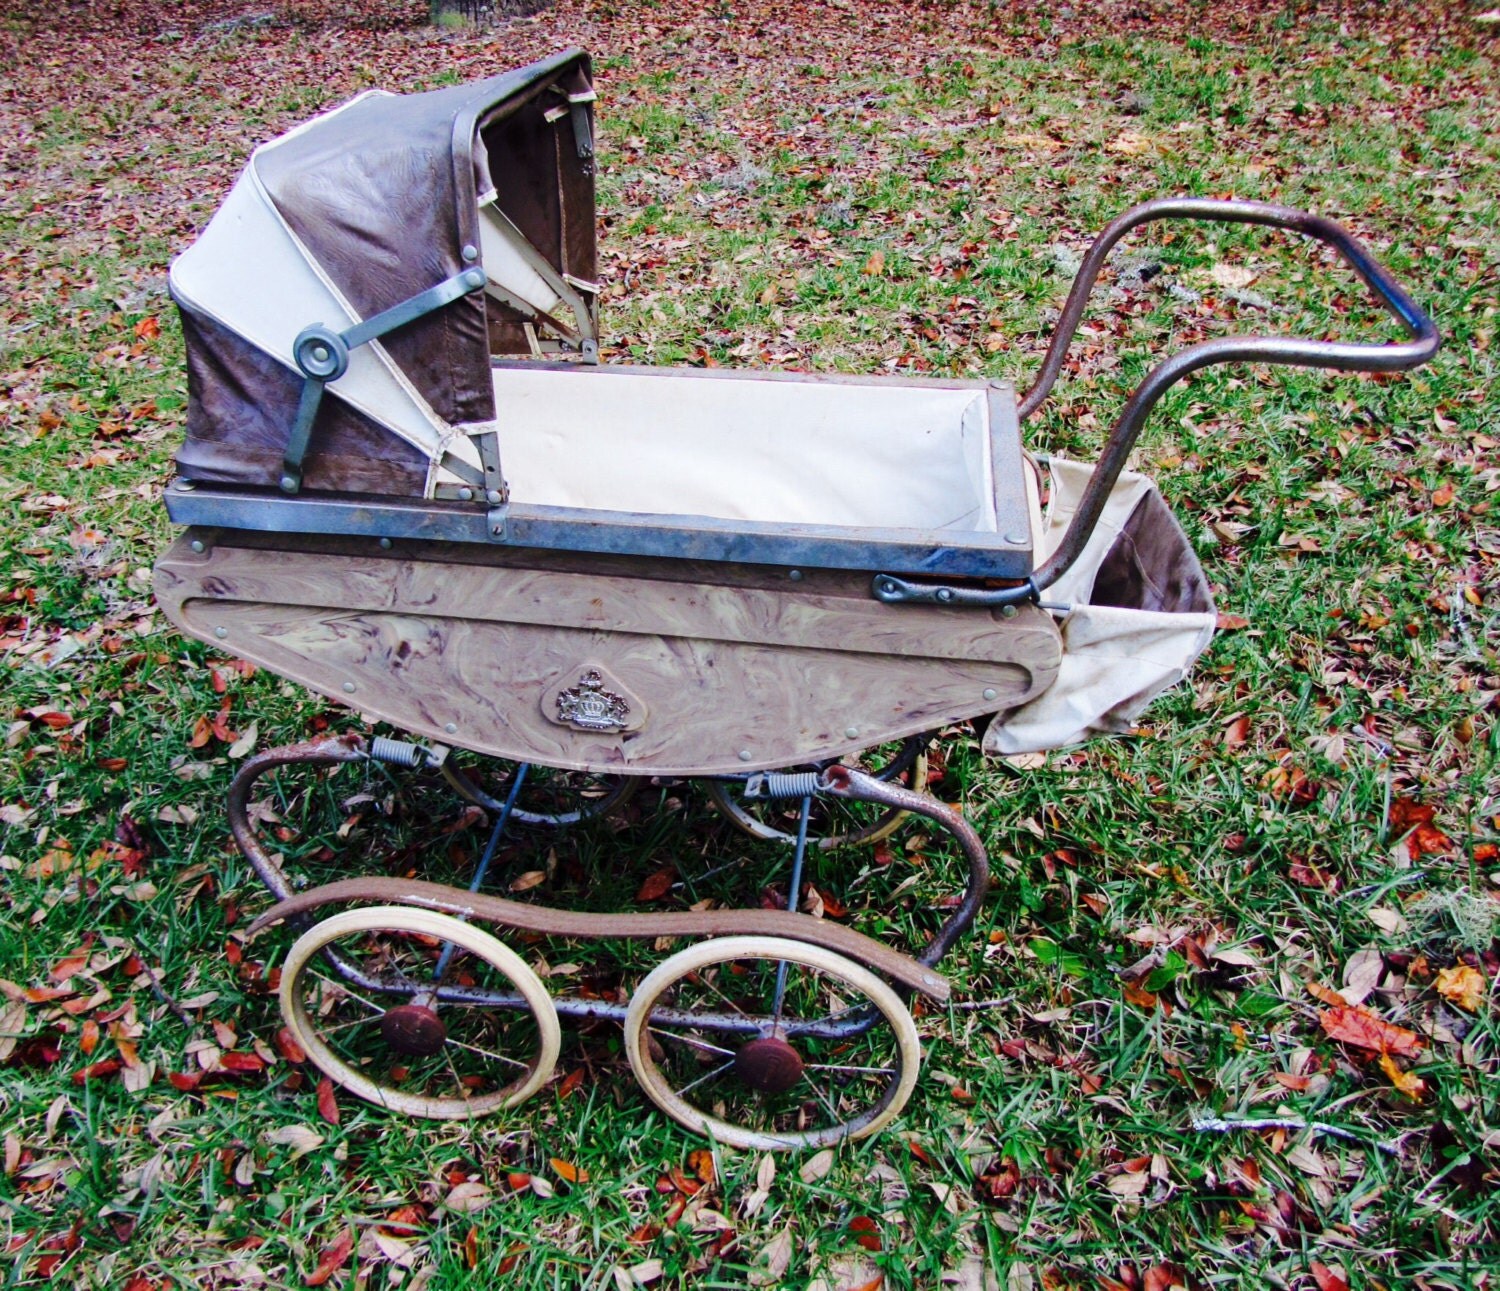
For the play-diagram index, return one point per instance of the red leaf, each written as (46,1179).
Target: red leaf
(866,1232)
(1000,1181)
(287,1046)
(328,1105)
(1237,732)
(1428,840)
(1326,1278)
(570,1082)
(1361,1028)
(1405,813)
(333,1259)
(234,1060)
(186,1081)
(148,329)
(657,885)
(97,1070)
(1232,622)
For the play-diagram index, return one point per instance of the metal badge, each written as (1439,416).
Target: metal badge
(588,706)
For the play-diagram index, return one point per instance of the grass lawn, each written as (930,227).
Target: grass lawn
(1182,918)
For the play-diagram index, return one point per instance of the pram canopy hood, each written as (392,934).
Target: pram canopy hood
(362,209)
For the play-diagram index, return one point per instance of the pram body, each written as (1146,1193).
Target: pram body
(630,572)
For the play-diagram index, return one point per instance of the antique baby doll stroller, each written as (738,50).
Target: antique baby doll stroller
(598,574)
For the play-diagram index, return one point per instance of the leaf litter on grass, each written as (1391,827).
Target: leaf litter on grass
(871,187)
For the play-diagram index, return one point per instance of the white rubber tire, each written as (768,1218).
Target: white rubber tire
(723,950)
(446,928)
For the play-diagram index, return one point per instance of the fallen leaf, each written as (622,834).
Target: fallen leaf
(302,1139)
(1235,277)
(1408,1082)
(701,1163)
(866,1232)
(1326,1278)
(1362,974)
(328,1103)
(875,265)
(333,1259)
(1326,996)
(1232,622)
(1237,732)
(569,1172)
(525,882)
(1364,1030)
(1130,144)
(816,1166)
(468,1197)
(657,885)
(1462,985)
(773,1259)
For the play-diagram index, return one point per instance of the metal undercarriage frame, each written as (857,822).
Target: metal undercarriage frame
(911,973)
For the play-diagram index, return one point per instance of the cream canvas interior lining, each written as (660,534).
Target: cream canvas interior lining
(883,455)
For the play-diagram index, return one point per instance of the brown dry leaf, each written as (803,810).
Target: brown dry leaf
(1326,996)
(1237,732)
(525,882)
(875,265)
(1234,277)
(1133,1183)
(1131,143)
(468,1197)
(816,1166)
(1463,986)
(1408,1082)
(1232,622)
(1361,1028)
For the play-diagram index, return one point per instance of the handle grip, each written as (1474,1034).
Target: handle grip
(1344,356)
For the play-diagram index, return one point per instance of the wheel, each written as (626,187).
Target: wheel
(763,1043)
(548,797)
(833,822)
(419,1012)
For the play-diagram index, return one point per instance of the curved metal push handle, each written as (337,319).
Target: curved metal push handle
(1343,356)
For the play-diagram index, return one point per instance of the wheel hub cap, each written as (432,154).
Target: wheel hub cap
(413,1030)
(769,1064)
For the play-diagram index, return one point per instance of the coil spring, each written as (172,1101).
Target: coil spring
(397,752)
(783,784)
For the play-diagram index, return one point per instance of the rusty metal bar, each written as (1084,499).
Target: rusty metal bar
(1345,356)
(846,782)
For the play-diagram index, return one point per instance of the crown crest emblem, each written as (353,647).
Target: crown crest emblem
(588,706)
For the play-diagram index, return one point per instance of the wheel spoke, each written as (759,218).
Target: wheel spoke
(717,1071)
(864,1071)
(498,1057)
(688,1040)
(344,990)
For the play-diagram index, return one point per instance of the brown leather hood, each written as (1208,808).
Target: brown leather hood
(383,195)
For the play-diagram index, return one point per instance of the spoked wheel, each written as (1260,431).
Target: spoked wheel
(419,1012)
(834,822)
(549,797)
(764,1043)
